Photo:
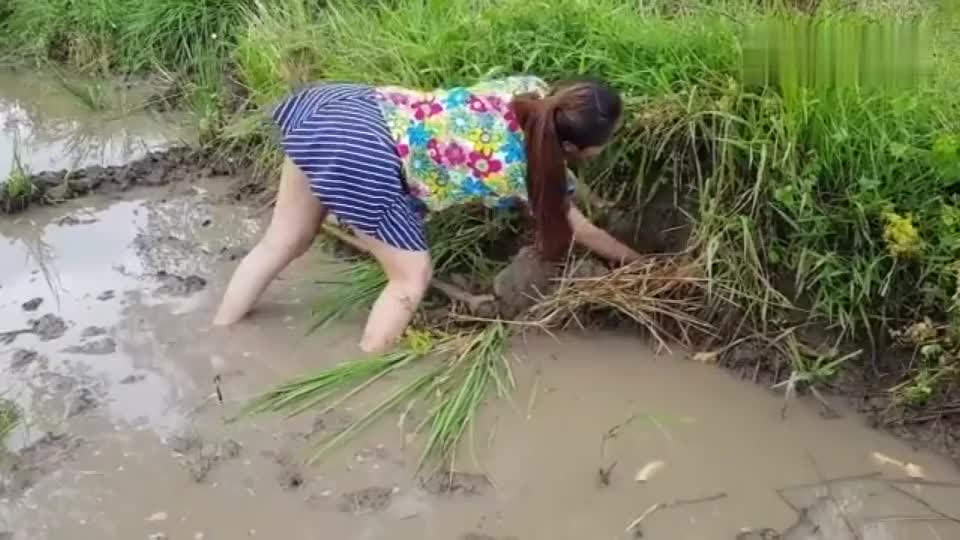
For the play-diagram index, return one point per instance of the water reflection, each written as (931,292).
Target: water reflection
(50,128)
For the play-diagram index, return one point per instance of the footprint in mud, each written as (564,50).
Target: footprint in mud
(98,347)
(290,475)
(201,457)
(331,422)
(455,483)
(174,285)
(21,471)
(366,500)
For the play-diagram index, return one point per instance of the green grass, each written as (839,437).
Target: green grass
(9,419)
(18,189)
(446,375)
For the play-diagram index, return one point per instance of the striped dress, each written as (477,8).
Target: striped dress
(336,135)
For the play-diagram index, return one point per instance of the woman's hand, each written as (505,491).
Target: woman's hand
(597,240)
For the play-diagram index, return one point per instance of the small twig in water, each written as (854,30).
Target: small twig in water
(533,395)
(603,474)
(829,481)
(843,514)
(635,524)
(923,503)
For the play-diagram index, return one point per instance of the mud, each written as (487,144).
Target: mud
(366,500)
(151,417)
(172,285)
(456,483)
(33,304)
(100,346)
(523,282)
(22,471)
(155,169)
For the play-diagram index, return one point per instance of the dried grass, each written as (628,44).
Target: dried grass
(665,294)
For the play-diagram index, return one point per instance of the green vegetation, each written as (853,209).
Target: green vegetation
(448,391)
(17,190)
(820,188)
(9,419)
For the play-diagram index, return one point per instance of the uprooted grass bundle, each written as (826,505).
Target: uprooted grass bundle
(450,376)
(663,294)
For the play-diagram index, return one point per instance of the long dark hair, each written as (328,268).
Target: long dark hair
(582,112)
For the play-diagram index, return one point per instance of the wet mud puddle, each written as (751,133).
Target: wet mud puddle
(50,122)
(106,346)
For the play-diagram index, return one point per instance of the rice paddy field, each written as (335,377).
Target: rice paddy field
(792,169)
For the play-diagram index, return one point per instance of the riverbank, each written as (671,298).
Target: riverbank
(815,220)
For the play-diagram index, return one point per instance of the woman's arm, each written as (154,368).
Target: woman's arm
(597,240)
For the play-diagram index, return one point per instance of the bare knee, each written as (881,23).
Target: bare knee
(289,244)
(413,278)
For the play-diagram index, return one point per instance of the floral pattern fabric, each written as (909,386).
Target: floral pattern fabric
(462,144)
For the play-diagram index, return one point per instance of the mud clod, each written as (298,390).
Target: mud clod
(202,457)
(456,483)
(82,400)
(133,379)
(233,253)
(93,331)
(184,443)
(32,305)
(98,347)
(367,500)
(522,282)
(22,358)
(173,285)
(48,327)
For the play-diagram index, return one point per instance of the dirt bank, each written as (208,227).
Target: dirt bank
(178,164)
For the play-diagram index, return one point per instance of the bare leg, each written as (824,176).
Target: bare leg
(408,275)
(296,218)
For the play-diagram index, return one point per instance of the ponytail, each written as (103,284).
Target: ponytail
(546,173)
(583,113)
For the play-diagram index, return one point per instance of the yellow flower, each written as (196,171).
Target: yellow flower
(485,140)
(901,235)
(498,183)
(439,187)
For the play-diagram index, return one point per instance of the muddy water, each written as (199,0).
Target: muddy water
(147,453)
(50,127)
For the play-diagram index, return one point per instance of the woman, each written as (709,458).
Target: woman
(377,157)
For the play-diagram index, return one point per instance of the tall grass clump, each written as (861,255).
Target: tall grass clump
(120,35)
